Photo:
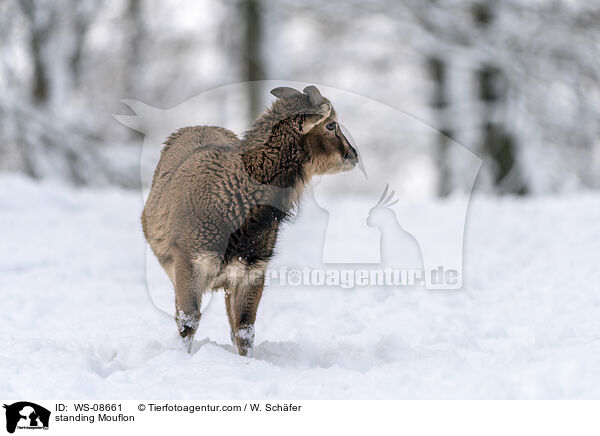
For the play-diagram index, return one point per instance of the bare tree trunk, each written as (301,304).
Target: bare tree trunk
(136,29)
(498,145)
(253,60)
(83,16)
(438,71)
(39,33)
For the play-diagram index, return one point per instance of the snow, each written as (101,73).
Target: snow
(77,321)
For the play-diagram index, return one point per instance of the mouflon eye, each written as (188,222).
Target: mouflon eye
(330,126)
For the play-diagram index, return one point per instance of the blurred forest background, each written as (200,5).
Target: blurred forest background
(515,81)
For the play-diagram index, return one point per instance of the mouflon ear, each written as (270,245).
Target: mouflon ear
(315,96)
(285,92)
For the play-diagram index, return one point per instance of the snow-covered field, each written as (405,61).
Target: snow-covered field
(77,321)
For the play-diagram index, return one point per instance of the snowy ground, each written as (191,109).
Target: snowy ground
(77,322)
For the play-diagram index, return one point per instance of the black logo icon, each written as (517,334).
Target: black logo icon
(26,415)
